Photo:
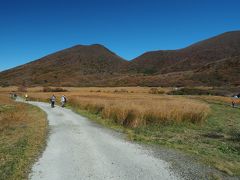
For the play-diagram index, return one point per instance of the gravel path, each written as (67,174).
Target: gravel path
(79,149)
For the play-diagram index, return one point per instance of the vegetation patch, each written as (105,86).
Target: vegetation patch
(199,91)
(137,112)
(57,89)
(23,131)
(205,126)
(156,91)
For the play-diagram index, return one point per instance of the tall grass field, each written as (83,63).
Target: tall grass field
(205,126)
(135,112)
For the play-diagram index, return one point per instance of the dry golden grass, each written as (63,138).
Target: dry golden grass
(141,112)
(138,108)
(23,131)
(8,89)
(132,106)
(99,89)
(8,112)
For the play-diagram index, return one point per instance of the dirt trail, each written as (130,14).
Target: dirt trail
(79,149)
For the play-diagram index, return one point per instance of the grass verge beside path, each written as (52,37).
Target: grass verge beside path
(23,131)
(215,142)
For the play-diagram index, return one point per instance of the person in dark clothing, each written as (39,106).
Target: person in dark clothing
(52,100)
(14,96)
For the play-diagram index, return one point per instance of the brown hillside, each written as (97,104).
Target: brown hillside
(212,62)
(192,57)
(70,66)
(223,72)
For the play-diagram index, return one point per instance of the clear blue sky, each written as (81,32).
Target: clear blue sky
(30,29)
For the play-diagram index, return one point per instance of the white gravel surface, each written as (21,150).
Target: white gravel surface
(79,149)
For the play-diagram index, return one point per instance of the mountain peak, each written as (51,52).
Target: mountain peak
(95,65)
(91,45)
(97,45)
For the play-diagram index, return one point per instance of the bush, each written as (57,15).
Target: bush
(189,91)
(58,89)
(156,91)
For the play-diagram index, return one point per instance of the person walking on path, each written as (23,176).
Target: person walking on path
(26,97)
(52,100)
(234,101)
(63,100)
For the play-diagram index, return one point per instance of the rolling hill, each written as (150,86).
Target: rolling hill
(212,62)
(72,66)
(226,45)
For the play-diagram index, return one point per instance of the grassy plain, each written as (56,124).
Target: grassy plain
(23,131)
(204,126)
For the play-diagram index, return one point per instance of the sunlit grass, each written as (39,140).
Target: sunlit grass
(206,126)
(23,130)
(141,112)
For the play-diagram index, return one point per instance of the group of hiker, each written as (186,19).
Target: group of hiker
(53,98)
(63,100)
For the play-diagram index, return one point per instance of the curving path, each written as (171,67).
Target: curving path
(79,149)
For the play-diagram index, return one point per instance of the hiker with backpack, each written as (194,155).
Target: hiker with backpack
(63,100)
(52,100)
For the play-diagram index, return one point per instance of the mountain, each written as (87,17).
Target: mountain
(192,57)
(212,62)
(71,66)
